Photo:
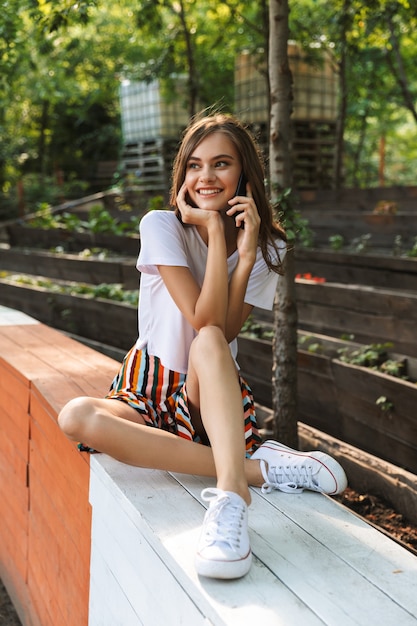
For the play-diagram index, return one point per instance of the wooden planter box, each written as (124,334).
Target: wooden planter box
(340,399)
(371,315)
(23,236)
(105,321)
(362,269)
(350,213)
(351,225)
(70,267)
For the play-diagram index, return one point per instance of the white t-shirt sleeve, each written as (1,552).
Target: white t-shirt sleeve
(161,237)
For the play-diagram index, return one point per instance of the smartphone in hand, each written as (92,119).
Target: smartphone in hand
(241,185)
(241,191)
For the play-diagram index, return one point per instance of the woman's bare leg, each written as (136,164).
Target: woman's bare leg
(213,390)
(215,400)
(114,428)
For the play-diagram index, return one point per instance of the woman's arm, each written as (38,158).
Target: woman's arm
(206,305)
(247,243)
(217,302)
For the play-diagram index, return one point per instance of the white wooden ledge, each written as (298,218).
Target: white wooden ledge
(315,561)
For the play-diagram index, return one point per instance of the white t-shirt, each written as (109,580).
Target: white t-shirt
(162,327)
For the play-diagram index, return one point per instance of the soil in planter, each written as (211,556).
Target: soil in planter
(382,515)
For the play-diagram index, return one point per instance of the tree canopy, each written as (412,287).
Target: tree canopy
(61,65)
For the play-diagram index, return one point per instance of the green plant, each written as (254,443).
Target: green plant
(99,220)
(398,245)
(256,330)
(45,218)
(107,291)
(314,346)
(336,242)
(347,337)
(384,404)
(156,203)
(393,368)
(374,356)
(413,251)
(361,244)
(296,226)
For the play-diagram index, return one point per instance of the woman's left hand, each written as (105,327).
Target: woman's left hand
(245,212)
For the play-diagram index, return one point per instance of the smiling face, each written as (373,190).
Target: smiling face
(212,172)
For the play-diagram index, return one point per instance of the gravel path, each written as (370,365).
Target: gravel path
(8,616)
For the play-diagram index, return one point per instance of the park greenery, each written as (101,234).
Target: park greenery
(61,65)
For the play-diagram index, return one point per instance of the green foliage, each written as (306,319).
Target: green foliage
(99,220)
(256,330)
(310,343)
(413,251)
(384,404)
(156,203)
(374,356)
(336,242)
(296,226)
(106,291)
(61,64)
(361,244)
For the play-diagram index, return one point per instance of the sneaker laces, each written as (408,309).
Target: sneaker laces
(224,518)
(287,478)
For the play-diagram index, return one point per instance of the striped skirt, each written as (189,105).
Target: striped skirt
(160,396)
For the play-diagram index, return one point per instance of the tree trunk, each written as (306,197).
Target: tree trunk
(343,97)
(398,69)
(284,369)
(192,75)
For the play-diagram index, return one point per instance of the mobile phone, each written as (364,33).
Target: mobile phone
(241,191)
(241,185)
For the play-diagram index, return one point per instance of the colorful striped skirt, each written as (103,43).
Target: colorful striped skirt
(160,396)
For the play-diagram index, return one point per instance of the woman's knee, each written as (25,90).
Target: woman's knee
(74,415)
(209,344)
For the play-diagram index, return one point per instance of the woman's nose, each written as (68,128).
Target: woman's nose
(207,174)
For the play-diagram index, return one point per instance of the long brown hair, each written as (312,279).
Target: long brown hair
(252,166)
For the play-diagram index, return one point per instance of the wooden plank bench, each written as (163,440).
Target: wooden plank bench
(88,540)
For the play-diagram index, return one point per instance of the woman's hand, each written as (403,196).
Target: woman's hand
(245,212)
(194,215)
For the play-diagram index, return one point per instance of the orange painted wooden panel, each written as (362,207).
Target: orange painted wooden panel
(14,428)
(43,600)
(62,453)
(18,592)
(59,575)
(50,545)
(6,347)
(71,357)
(15,353)
(14,545)
(71,503)
(14,387)
(14,451)
(14,502)
(54,350)
(66,548)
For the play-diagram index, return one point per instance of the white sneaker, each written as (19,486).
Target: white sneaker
(292,471)
(224,549)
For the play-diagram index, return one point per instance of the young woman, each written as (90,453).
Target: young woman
(181,404)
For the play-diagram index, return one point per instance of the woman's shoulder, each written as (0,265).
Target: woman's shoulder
(160,220)
(160,215)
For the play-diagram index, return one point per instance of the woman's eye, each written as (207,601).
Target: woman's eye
(221,164)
